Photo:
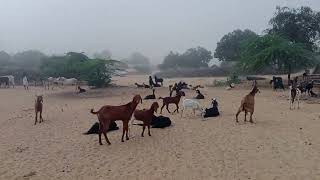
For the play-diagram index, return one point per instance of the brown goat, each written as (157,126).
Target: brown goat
(146,116)
(172,100)
(107,114)
(247,104)
(38,109)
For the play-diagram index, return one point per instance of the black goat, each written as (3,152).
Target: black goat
(95,128)
(151,96)
(213,111)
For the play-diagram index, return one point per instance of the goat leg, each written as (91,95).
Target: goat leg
(127,129)
(251,121)
(106,137)
(167,107)
(162,108)
(143,128)
(245,116)
(100,132)
(36,118)
(41,119)
(149,130)
(237,116)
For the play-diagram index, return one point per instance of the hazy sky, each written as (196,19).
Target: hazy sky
(124,26)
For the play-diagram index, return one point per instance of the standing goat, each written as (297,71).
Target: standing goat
(294,95)
(247,104)
(172,100)
(108,114)
(146,116)
(38,108)
(192,104)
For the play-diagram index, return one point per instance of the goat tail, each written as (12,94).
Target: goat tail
(92,112)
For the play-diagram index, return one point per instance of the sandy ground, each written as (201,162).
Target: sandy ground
(282,144)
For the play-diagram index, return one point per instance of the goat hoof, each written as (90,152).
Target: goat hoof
(251,122)
(127,138)
(109,143)
(149,134)
(101,144)
(122,140)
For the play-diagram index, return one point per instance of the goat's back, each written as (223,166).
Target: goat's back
(123,112)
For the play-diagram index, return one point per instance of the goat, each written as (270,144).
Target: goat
(38,108)
(4,80)
(294,95)
(25,83)
(151,96)
(158,80)
(139,85)
(193,104)
(151,83)
(195,87)
(172,100)
(213,111)
(199,96)
(108,114)
(81,90)
(158,122)
(95,128)
(146,86)
(247,104)
(277,83)
(146,116)
(309,88)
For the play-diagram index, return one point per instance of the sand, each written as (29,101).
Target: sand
(282,144)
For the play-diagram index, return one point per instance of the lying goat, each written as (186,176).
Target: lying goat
(199,95)
(95,128)
(192,104)
(247,104)
(146,116)
(81,90)
(213,111)
(151,96)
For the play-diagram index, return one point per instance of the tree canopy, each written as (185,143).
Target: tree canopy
(299,25)
(105,54)
(228,48)
(192,58)
(276,51)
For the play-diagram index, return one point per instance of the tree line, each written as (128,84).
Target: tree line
(290,43)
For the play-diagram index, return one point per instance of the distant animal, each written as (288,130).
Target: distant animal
(170,90)
(277,83)
(151,83)
(156,85)
(309,88)
(139,85)
(151,96)
(231,86)
(294,96)
(247,104)
(212,111)
(146,116)
(95,128)
(199,95)
(4,80)
(158,80)
(191,104)
(146,86)
(313,94)
(172,100)
(71,81)
(38,108)
(195,87)
(81,90)
(108,114)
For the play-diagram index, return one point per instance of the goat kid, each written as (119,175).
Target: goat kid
(38,108)
(172,100)
(191,104)
(146,117)
(294,96)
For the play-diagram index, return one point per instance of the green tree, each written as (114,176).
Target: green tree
(229,47)
(96,72)
(192,58)
(301,25)
(275,51)
(4,58)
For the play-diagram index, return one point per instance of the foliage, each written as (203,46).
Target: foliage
(139,62)
(192,58)
(228,48)
(275,51)
(301,25)
(76,65)
(29,60)
(4,58)
(105,54)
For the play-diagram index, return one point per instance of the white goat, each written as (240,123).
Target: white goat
(192,104)
(294,95)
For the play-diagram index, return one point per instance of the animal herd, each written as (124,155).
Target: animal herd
(108,114)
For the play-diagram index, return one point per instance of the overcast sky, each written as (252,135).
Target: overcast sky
(152,27)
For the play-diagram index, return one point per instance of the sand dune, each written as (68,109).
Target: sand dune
(282,144)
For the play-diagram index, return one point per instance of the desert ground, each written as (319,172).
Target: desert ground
(281,144)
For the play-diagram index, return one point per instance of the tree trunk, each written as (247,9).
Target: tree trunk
(289,75)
